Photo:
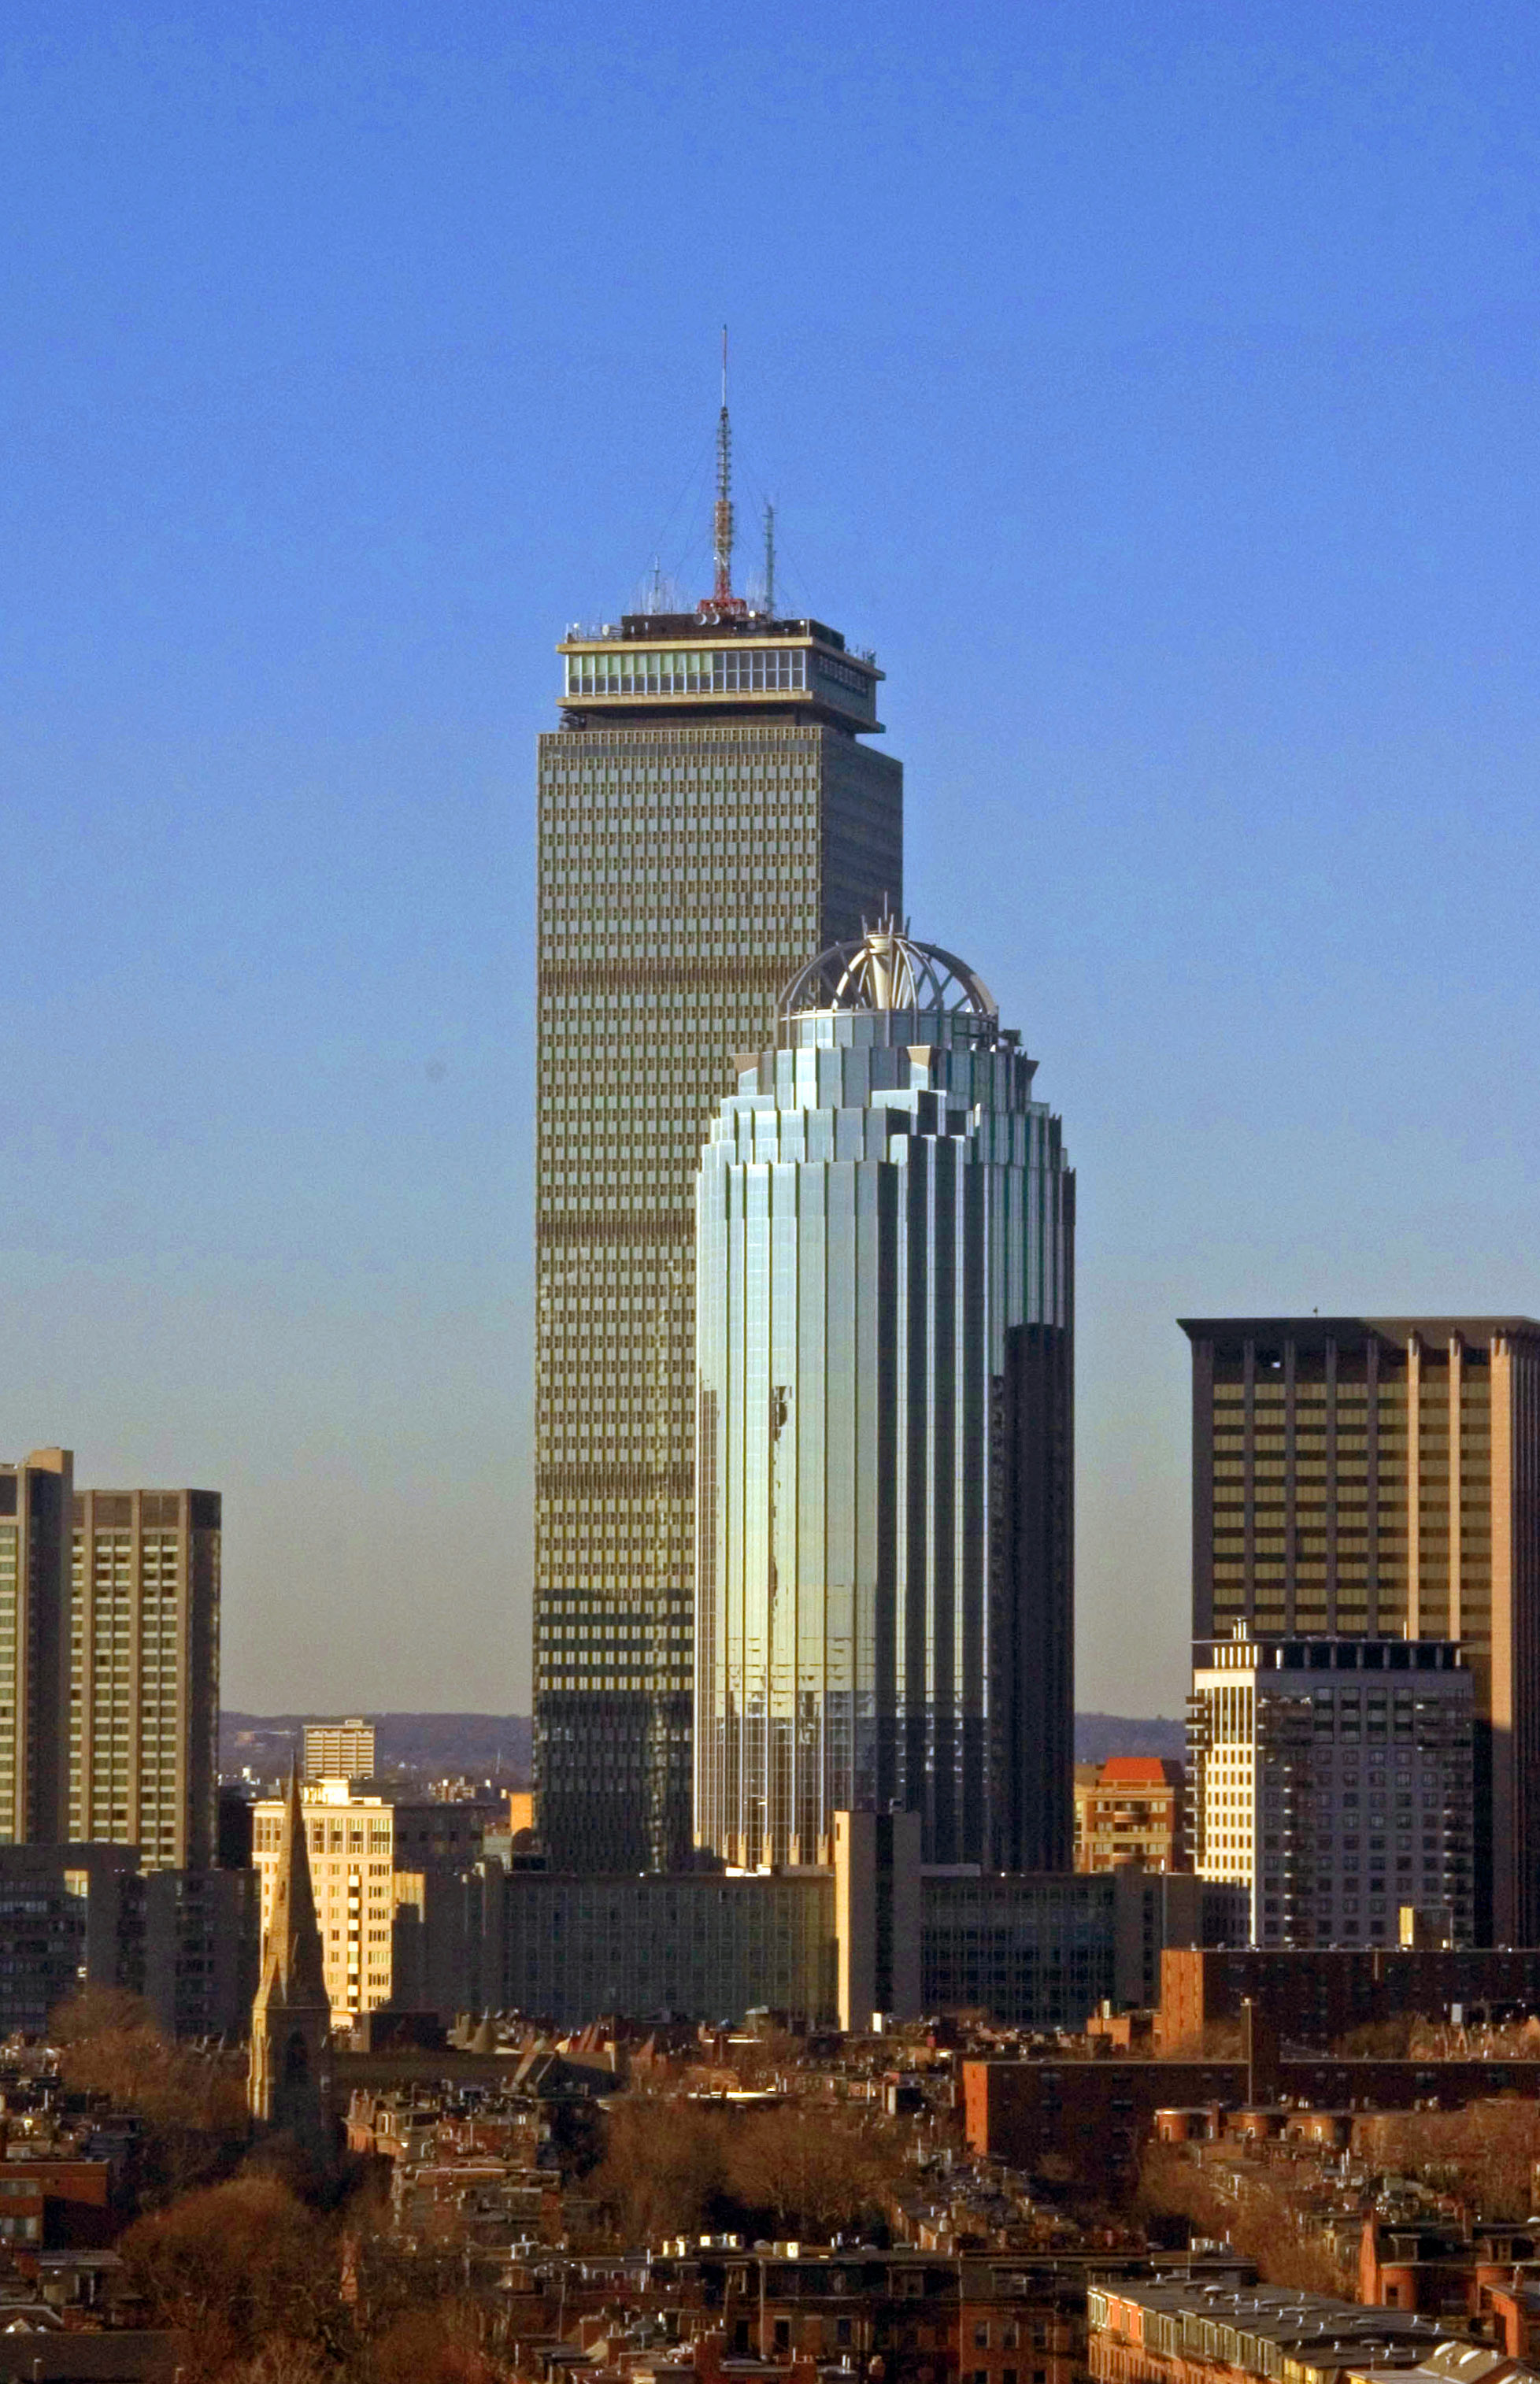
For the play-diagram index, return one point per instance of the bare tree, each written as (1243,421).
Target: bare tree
(664,2165)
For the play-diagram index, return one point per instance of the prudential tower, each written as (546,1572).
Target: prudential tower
(709,815)
(885,1270)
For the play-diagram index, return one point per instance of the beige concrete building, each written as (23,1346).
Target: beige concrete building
(339,1750)
(34,1647)
(144,1673)
(1377,1478)
(369,1857)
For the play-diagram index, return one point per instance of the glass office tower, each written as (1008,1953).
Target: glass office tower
(885,1303)
(708,817)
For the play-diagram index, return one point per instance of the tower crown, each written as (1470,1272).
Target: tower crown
(887,968)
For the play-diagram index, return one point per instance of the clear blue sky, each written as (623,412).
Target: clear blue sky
(1154,386)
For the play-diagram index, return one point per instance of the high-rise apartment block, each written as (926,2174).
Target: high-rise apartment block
(144,1635)
(885,1308)
(339,1750)
(1374,1477)
(1333,1780)
(708,817)
(34,1648)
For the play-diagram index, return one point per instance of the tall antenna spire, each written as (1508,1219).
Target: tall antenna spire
(769,558)
(722,527)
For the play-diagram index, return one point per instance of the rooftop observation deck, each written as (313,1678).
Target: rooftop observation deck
(710,662)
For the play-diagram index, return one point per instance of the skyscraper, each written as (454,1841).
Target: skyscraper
(884,1272)
(34,1648)
(708,817)
(1375,1478)
(144,1673)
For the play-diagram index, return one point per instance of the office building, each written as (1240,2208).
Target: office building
(34,1648)
(339,1750)
(366,1854)
(144,1673)
(202,1951)
(71,1916)
(1379,1477)
(1129,1810)
(709,815)
(871,1931)
(884,1292)
(1332,1779)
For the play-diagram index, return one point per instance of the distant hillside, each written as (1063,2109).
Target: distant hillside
(485,1746)
(1098,1735)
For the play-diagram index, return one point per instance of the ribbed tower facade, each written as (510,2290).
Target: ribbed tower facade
(708,816)
(885,1321)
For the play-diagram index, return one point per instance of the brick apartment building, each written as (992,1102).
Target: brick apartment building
(1315,1997)
(1130,1808)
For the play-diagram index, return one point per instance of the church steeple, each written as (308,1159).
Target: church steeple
(291,2013)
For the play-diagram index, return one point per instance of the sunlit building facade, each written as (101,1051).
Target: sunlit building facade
(885,1306)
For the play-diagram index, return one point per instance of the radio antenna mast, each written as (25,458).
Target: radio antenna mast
(769,558)
(722,527)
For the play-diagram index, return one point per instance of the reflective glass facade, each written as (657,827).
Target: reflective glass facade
(885,1257)
(693,849)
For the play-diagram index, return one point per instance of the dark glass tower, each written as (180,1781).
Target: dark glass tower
(708,819)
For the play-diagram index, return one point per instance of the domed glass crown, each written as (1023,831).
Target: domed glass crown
(886,968)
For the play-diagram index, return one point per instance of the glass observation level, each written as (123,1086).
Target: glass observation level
(687,664)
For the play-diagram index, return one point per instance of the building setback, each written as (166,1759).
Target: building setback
(1379,1477)
(144,1673)
(708,817)
(885,1301)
